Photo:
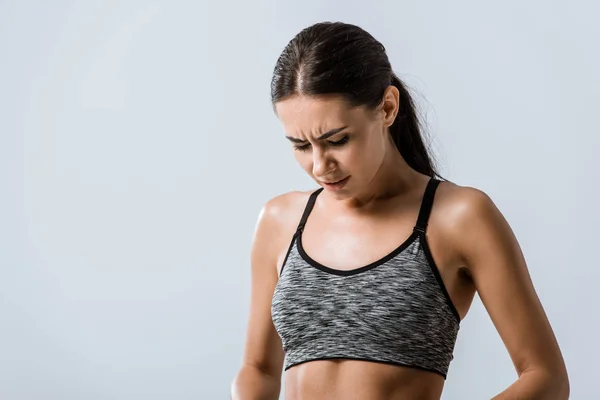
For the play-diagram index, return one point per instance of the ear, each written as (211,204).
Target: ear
(390,105)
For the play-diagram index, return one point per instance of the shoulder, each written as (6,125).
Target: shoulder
(285,208)
(280,215)
(461,204)
(275,227)
(470,218)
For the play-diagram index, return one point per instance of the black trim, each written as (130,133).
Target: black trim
(420,228)
(438,277)
(288,253)
(359,270)
(399,364)
(426,204)
(307,209)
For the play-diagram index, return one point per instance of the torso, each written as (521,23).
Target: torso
(344,242)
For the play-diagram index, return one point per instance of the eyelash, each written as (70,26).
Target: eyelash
(340,142)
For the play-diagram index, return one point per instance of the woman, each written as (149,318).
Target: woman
(359,287)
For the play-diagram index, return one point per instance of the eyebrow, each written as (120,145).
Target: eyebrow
(322,137)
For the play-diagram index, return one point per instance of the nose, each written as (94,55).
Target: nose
(322,163)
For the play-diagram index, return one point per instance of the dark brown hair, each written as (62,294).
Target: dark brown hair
(343,59)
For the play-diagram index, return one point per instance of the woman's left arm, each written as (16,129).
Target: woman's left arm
(493,257)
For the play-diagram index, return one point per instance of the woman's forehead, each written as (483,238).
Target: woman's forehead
(303,114)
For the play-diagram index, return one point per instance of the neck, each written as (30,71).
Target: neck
(394,178)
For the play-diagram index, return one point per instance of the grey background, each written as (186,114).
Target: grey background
(137,146)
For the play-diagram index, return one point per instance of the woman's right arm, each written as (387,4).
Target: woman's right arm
(259,377)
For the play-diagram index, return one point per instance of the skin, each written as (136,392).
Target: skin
(472,244)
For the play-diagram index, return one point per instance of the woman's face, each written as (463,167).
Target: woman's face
(332,141)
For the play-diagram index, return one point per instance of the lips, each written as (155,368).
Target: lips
(333,182)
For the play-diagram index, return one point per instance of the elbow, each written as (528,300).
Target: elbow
(547,384)
(563,390)
(558,386)
(252,383)
(559,381)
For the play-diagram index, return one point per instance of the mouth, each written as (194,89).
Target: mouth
(336,184)
(333,182)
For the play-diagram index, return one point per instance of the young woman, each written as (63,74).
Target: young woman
(359,287)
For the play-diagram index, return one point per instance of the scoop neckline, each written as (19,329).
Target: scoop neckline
(355,271)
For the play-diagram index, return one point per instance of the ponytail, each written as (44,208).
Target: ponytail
(406,131)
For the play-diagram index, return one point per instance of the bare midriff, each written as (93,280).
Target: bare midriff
(358,380)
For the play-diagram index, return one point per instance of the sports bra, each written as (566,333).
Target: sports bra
(395,310)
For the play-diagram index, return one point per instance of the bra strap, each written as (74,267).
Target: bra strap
(426,205)
(308,209)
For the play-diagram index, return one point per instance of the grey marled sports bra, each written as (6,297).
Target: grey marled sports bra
(395,310)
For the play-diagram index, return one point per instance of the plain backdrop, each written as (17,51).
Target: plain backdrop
(138,145)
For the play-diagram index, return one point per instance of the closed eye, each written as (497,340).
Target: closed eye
(341,142)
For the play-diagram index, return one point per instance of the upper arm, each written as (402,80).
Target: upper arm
(497,266)
(263,348)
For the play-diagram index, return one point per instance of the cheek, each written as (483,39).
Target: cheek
(371,153)
(355,156)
